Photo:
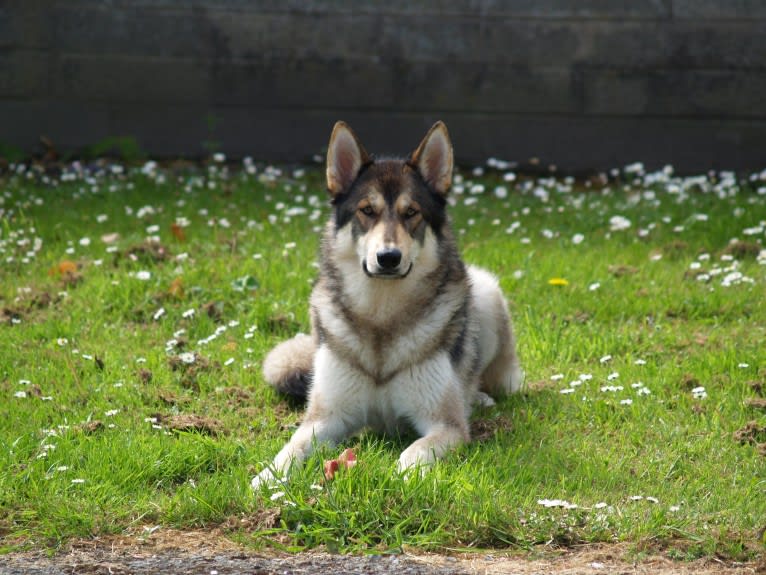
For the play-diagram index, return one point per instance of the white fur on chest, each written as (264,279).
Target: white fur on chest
(413,396)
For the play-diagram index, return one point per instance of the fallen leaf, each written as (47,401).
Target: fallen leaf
(331,467)
(64,267)
(176,288)
(178,232)
(347,458)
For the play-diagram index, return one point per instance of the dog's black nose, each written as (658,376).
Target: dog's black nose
(389,258)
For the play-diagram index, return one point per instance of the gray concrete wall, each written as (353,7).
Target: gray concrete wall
(582,84)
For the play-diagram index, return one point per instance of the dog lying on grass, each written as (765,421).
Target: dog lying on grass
(403,332)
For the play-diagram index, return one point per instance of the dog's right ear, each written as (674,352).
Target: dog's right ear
(345,157)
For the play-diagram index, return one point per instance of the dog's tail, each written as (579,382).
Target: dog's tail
(288,366)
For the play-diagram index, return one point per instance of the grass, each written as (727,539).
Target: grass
(94,384)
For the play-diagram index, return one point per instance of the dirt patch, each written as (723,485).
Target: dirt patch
(282,323)
(689,382)
(169,397)
(190,423)
(27,304)
(90,427)
(147,253)
(190,366)
(263,519)
(756,402)
(485,429)
(214,310)
(156,550)
(236,396)
(675,249)
(741,250)
(752,433)
(622,270)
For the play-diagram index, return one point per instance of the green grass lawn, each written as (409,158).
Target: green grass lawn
(136,306)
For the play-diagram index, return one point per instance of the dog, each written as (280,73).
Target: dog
(403,333)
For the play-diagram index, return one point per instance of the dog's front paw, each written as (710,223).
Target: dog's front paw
(414,461)
(266,478)
(483,400)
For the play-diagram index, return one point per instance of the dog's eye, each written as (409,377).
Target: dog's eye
(410,213)
(367,211)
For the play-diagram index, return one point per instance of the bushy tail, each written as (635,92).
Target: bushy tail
(287,367)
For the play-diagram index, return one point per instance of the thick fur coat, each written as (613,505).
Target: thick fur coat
(403,333)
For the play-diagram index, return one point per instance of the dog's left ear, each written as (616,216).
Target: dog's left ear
(433,158)
(345,157)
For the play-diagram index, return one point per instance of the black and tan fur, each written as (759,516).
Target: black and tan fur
(403,333)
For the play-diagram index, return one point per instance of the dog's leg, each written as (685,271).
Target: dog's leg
(332,414)
(440,438)
(504,374)
(438,406)
(327,431)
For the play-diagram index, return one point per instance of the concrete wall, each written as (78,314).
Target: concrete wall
(583,84)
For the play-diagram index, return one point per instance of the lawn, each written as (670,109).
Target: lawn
(136,305)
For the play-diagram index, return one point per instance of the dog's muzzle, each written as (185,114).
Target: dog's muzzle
(388,265)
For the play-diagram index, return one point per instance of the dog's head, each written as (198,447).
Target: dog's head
(389,209)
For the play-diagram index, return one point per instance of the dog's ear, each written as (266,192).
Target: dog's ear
(433,158)
(345,157)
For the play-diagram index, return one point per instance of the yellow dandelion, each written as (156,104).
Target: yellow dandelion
(558,282)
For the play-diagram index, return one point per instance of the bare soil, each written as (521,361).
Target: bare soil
(209,553)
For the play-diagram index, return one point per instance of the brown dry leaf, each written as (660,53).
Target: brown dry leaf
(229,346)
(176,288)
(331,467)
(178,232)
(64,267)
